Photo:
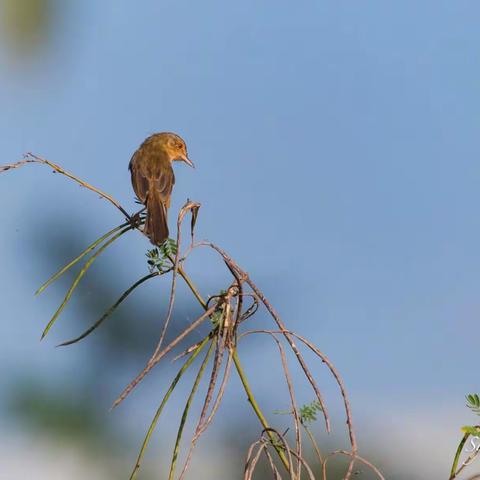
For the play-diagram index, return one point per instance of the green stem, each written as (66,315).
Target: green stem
(186,410)
(164,402)
(192,287)
(258,412)
(453,472)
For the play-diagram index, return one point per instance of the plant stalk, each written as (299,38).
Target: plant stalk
(243,378)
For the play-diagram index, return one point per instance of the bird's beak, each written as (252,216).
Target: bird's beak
(188,161)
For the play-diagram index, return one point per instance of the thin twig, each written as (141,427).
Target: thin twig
(251,310)
(274,436)
(335,374)
(276,473)
(291,391)
(219,397)
(314,443)
(162,405)
(187,207)
(219,352)
(31,158)
(253,460)
(247,469)
(238,366)
(258,412)
(201,427)
(354,457)
(196,383)
(161,354)
(343,391)
(278,321)
(304,463)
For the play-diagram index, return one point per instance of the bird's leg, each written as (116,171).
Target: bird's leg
(136,219)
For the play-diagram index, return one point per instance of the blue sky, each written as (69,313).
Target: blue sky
(336,146)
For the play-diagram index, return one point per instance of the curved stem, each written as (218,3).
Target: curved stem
(256,409)
(186,410)
(314,443)
(124,295)
(192,287)
(164,402)
(241,374)
(454,472)
(82,272)
(91,247)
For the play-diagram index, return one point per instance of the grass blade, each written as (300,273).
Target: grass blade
(186,410)
(82,272)
(124,295)
(78,258)
(164,402)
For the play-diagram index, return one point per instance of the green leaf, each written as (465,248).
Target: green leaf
(154,422)
(155,260)
(110,310)
(216,317)
(161,258)
(168,248)
(82,272)
(78,258)
(186,410)
(473,402)
(309,411)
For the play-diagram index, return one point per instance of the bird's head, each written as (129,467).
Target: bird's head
(174,146)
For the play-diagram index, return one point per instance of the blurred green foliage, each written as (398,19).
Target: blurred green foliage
(59,413)
(27,24)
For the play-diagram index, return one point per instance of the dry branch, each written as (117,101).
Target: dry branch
(224,333)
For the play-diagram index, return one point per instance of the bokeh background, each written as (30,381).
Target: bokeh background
(337,157)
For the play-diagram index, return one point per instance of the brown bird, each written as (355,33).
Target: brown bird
(153,179)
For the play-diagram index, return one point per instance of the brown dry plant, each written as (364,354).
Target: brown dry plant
(227,313)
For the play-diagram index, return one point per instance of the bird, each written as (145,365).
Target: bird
(153,179)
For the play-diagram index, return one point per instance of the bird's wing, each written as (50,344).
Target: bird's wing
(162,182)
(160,178)
(139,181)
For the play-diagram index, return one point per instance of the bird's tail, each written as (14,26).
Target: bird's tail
(156,226)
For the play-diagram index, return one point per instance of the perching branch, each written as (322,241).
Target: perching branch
(227,314)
